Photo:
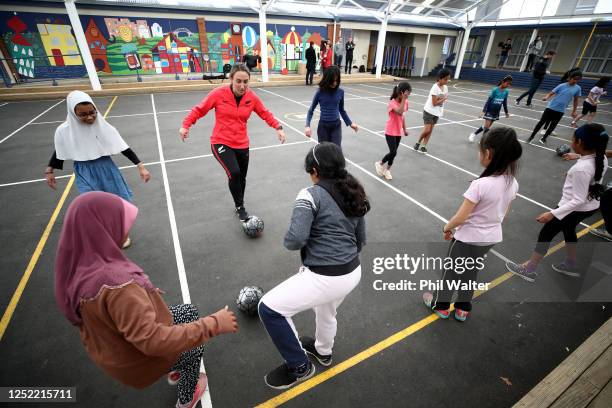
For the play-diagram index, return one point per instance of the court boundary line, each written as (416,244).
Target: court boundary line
(32,120)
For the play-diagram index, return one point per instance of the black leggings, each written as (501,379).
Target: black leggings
(393,142)
(554,226)
(535,84)
(235,162)
(330,132)
(460,274)
(188,364)
(552,117)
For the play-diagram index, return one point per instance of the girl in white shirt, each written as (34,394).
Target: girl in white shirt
(478,222)
(433,109)
(589,106)
(580,200)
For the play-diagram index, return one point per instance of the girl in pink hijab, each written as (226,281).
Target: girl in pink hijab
(124,323)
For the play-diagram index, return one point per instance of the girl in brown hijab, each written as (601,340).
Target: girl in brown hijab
(125,325)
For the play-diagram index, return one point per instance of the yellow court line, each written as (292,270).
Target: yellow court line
(10,309)
(389,341)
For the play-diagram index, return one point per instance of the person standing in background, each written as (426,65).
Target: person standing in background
(338,52)
(349,47)
(533,52)
(311,63)
(505,50)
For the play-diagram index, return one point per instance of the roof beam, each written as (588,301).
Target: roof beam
(442,3)
(376,16)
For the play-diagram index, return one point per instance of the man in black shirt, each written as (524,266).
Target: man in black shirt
(251,61)
(349,47)
(311,63)
(505,50)
(539,72)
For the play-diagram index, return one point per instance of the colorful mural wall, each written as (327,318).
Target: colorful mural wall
(44,46)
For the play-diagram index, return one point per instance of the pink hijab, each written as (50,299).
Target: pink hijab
(89,254)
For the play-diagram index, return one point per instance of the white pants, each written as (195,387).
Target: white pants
(308,290)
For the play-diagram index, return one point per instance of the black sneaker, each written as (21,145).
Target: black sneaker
(282,377)
(529,105)
(416,146)
(242,213)
(308,344)
(543,141)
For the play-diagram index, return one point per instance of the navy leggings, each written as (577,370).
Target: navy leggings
(330,132)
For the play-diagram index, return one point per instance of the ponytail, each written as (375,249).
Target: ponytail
(400,88)
(356,203)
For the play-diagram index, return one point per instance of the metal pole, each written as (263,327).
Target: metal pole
(488,50)
(425,55)
(334,44)
(263,44)
(380,47)
(82,42)
(534,34)
(466,37)
(586,45)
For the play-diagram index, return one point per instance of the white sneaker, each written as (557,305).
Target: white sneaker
(380,170)
(472,137)
(388,175)
(543,132)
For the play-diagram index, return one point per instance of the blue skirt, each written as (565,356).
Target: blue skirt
(101,175)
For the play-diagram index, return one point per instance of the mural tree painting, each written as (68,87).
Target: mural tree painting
(22,54)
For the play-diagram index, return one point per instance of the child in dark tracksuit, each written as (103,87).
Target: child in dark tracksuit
(328,228)
(492,108)
(331,98)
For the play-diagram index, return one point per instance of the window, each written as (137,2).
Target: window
(597,58)
(550,42)
(517,53)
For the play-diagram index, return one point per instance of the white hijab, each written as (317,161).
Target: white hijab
(75,140)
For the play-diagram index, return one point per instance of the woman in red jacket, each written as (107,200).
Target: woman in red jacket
(229,142)
(326,56)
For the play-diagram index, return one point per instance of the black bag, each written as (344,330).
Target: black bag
(362,68)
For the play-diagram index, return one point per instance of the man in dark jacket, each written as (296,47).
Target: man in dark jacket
(251,61)
(349,47)
(539,72)
(311,63)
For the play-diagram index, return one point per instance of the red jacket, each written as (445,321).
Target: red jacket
(326,58)
(230,120)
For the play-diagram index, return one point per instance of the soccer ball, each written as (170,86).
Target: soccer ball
(253,227)
(563,149)
(248,299)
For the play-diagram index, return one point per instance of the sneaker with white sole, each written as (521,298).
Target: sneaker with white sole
(521,271)
(566,269)
(197,395)
(417,146)
(472,137)
(601,233)
(428,300)
(283,377)
(542,141)
(308,343)
(173,377)
(380,169)
(387,174)
(517,102)
(543,132)
(423,149)
(461,315)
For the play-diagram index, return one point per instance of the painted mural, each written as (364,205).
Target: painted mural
(44,46)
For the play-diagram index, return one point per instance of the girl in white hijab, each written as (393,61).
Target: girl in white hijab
(89,140)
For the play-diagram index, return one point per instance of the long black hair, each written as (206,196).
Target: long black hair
(594,137)
(505,150)
(603,82)
(443,73)
(330,75)
(327,159)
(400,88)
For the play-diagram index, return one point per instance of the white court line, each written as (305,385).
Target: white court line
(180,264)
(433,157)
(154,163)
(38,116)
(459,122)
(397,190)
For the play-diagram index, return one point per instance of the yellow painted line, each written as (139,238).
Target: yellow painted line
(8,313)
(389,341)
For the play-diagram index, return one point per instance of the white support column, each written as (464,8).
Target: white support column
(534,34)
(263,44)
(488,50)
(380,46)
(333,45)
(83,46)
(466,37)
(425,55)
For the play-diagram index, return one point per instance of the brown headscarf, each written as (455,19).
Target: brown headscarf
(89,254)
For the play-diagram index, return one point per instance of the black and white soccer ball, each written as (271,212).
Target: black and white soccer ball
(248,299)
(253,227)
(563,149)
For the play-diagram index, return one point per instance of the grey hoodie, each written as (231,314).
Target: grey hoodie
(328,240)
